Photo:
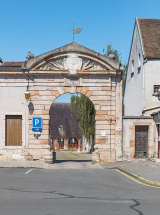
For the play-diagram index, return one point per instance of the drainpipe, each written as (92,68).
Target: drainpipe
(144,61)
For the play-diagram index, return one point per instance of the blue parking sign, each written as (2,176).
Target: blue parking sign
(37,124)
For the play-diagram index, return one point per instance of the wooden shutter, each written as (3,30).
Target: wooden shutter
(13,130)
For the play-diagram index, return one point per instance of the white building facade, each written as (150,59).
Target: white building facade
(141,104)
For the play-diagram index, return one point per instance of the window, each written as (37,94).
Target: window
(61,128)
(61,140)
(156,89)
(132,66)
(139,61)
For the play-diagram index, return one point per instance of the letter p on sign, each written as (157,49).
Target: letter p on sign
(36,121)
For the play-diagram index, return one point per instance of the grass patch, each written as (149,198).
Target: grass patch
(74,154)
(68,158)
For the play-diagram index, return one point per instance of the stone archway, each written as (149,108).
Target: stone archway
(74,68)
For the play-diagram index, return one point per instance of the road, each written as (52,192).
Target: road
(74,192)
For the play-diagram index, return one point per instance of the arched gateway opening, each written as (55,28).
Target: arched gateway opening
(76,69)
(72,127)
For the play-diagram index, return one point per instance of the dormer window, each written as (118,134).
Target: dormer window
(61,128)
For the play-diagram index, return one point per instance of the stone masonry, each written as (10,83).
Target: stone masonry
(70,69)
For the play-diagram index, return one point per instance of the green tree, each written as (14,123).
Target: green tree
(124,78)
(110,50)
(83,108)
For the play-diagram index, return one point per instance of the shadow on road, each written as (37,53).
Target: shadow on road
(62,161)
(135,205)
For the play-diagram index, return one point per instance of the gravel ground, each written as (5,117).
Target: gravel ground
(64,160)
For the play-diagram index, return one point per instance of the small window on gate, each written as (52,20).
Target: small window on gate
(156,89)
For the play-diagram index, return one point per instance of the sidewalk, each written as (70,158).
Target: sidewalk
(148,170)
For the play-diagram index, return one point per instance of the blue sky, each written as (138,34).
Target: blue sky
(40,26)
(65,98)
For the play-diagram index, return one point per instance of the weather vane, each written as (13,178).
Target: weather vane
(77,31)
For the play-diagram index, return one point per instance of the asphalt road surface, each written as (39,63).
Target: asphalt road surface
(74,192)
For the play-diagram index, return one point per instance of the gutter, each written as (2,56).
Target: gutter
(153,57)
(140,38)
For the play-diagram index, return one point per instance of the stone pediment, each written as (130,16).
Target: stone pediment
(72,58)
(72,63)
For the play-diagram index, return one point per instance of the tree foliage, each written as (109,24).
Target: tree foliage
(124,78)
(83,108)
(110,50)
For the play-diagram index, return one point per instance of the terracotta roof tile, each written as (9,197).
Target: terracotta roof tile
(13,63)
(150,34)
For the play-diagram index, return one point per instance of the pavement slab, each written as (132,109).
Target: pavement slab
(147,169)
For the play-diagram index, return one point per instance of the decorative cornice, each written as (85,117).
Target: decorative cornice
(63,73)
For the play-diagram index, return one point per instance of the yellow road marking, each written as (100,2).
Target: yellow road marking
(136,180)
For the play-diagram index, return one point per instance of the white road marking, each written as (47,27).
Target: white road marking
(28,171)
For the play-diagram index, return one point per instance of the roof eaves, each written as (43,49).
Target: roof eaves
(141,41)
(129,56)
(11,66)
(153,57)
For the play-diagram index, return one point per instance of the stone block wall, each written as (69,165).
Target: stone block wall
(129,137)
(105,94)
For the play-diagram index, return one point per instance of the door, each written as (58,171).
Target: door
(141,141)
(13,130)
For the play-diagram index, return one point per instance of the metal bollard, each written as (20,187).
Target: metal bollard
(54,157)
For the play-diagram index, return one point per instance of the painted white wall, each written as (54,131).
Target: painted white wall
(152,77)
(133,98)
(12,100)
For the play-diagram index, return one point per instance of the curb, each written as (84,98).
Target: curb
(140,178)
(43,165)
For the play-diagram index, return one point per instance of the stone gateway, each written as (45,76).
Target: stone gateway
(68,69)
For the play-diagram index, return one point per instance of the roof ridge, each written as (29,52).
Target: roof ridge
(148,18)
